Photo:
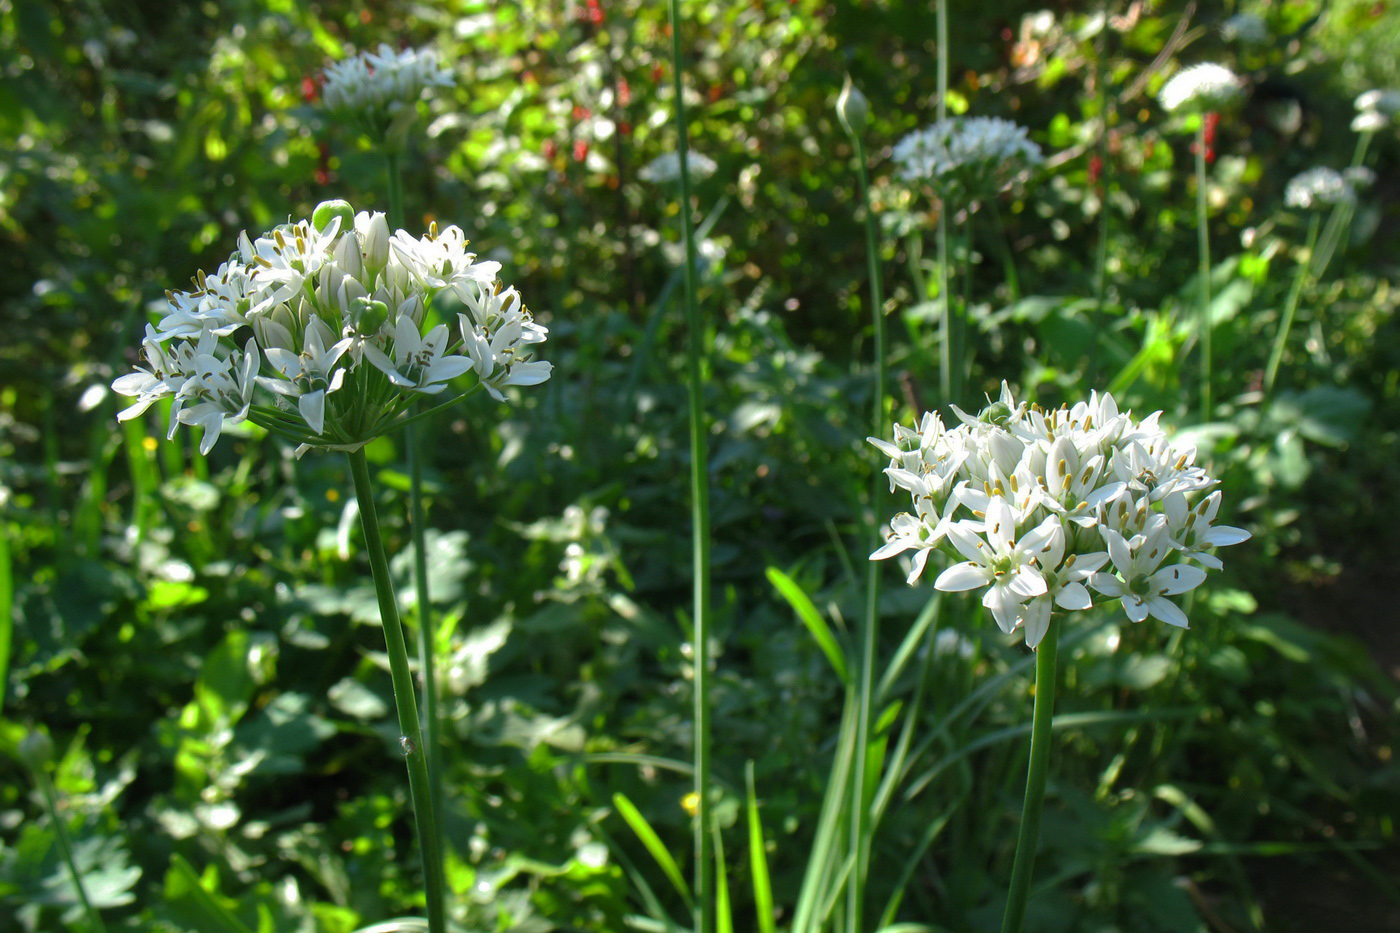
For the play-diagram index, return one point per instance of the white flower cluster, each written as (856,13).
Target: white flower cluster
(1247,29)
(1319,188)
(1201,88)
(667,167)
(1041,507)
(1375,110)
(327,318)
(373,90)
(967,158)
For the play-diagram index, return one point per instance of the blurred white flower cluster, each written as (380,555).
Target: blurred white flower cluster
(667,167)
(1319,188)
(1375,110)
(967,158)
(327,318)
(1201,88)
(1043,507)
(376,92)
(1247,29)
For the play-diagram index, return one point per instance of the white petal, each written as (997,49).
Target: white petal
(961,576)
(1168,611)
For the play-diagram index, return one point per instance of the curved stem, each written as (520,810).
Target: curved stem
(1300,280)
(699,507)
(65,847)
(1203,327)
(405,704)
(1021,870)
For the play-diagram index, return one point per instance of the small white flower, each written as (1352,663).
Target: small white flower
(311,374)
(1317,189)
(419,362)
(1201,88)
(1140,582)
(222,389)
(1000,562)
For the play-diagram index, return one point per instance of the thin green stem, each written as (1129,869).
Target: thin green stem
(418,526)
(1203,323)
(65,847)
(411,733)
(861,830)
(1022,868)
(1008,258)
(1300,281)
(1091,370)
(704,911)
(947,385)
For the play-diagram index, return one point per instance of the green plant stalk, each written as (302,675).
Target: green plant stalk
(1008,258)
(1091,369)
(948,385)
(405,704)
(1300,280)
(65,847)
(704,910)
(1203,327)
(861,828)
(1041,718)
(418,527)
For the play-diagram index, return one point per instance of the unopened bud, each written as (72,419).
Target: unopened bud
(369,315)
(327,211)
(852,108)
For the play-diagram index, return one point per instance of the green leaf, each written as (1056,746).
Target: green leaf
(758,858)
(653,844)
(184,887)
(811,618)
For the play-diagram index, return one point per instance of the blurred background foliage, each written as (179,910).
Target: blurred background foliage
(199,636)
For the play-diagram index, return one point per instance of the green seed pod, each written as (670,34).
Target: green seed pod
(326,211)
(369,315)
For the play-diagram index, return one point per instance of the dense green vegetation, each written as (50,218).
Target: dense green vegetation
(199,636)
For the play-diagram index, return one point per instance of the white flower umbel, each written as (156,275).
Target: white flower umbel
(1201,88)
(336,308)
(1375,110)
(1042,507)
(1246,29)
(1318,189)
(378,91)
(967,158)
(667,168)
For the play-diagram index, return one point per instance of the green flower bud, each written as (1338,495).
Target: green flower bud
(852,108)
(326,211)
(368,316)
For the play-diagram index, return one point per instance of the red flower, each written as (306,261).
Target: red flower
(624,92)
(1095,168)
(311,88)
(551,149)
(580,150)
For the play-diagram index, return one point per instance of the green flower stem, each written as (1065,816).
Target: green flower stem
(1300,280)
(404,701)
(1334,235)
(1091,369)
(65,846)
(1203,323)
(948,385)
(704,911)
(1008,259)
(427,656)
(427,631)
(862,828)
(1021,870)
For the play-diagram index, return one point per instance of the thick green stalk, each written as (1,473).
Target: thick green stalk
(1203,327)
(1300,280)
(65,847)
(861,828)
(699,507)
(405,704)
(1021,869)
(393,173)
(1091,369)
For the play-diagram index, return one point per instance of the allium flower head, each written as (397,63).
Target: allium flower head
(1246,28)
(326,317)
(377,91)
(1039,509)
(967,158)
(667,167)
(1201,88)
(1375,110)
(1318,188)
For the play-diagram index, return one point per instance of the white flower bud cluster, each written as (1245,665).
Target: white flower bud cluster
(1201,88)
(372,90)
(1042,507)
(667,167)
(1375,110)
(1318,189)
(327,317)
(967,158)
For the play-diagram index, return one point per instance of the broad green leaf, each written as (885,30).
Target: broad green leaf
(807,612)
